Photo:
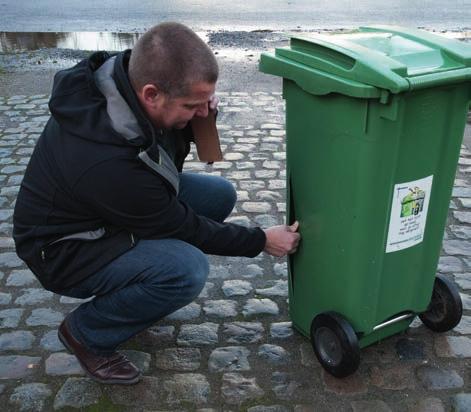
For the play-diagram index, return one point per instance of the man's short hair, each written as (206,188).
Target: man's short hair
(172,57)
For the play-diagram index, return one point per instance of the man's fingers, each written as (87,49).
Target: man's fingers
(282,240)
(294,227)
(213,102)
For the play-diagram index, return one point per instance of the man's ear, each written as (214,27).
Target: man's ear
(150,96)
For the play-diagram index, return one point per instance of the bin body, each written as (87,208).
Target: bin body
(341,185)
(369,178)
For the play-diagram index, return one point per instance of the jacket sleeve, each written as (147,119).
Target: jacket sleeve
(125,194)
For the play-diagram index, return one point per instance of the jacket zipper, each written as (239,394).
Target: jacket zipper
(132,240)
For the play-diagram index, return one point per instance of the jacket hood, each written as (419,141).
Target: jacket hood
(95,101)
(95,94)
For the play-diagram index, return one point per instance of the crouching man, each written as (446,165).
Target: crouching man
(104,209)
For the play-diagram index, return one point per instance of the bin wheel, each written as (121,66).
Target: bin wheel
(335,344)
(445,308)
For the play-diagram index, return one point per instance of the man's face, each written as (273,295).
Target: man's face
(176,112)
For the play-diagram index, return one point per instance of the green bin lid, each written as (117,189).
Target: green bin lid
(371,60)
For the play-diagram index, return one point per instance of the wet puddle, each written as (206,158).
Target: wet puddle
(26,41)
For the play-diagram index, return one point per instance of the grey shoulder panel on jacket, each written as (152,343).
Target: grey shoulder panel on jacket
(125,123)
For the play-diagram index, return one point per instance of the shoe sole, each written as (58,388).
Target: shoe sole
(104,381)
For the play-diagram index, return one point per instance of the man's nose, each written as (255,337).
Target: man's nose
(202,110)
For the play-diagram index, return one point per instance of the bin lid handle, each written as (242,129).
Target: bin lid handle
(347,60)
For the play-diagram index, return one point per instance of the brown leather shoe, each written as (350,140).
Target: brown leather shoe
(115,368)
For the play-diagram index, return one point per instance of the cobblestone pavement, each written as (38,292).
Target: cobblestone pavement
(233,348)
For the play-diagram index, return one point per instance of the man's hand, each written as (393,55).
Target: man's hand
(282,240)
(213,102)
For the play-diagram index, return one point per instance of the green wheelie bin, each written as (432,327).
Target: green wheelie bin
(374,124)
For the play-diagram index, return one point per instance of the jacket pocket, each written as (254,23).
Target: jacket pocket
(50,250)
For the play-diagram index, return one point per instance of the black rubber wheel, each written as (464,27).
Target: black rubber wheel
(335,344)
(445,308)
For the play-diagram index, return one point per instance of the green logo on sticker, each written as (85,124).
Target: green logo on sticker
(413,202)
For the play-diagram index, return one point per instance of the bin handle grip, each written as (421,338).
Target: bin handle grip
(308,78)
(320,52)
(349,61)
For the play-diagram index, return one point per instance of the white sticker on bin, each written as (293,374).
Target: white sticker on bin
(408,214)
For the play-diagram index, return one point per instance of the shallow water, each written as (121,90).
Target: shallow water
(24,41)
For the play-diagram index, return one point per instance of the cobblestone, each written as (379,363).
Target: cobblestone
(12,169)
(195,335)
(439,378)
(18,340)
(463,217)
(22,277)
(464,327)
(50,342)
(273,353)
(15,367)
(281,330)
(410,349)
(220,308)
(256,207)
(237,389)
(448,264)
(284,385)
(218,272)
(260,307)
(147,393)
(461,232)
(236,287)
(44,316)
(234,348)
(63,364)
(188,312)
(229,359)
(463,280)
(5,298)
(281,269)
(457,247)
(243,332)
(462,402)
(5,214)
(179,359)
(279,288)
(30,396)
(77,393)
(453,346)
(141,359)
(252,271)
(34,297)
(347,386)
(10,260)
(192,387)
(397,378)
(10,318)
(160,334)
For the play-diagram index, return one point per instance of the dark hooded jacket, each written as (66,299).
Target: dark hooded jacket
(101,177)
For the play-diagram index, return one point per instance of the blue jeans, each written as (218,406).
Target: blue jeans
(151,280)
